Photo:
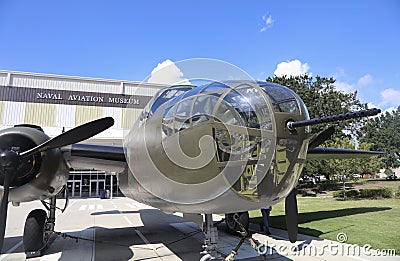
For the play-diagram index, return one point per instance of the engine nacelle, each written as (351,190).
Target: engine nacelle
(39,176)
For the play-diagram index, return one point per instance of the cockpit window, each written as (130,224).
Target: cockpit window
(283,99)
(241,105)
(182,115)
(214,86)
(203,108)
(247,108)
(168,121)
(226,114)
(165,95)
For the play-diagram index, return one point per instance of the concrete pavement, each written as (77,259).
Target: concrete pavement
(122,229)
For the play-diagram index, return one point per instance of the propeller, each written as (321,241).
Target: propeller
(291,214)
(4,201)
(291,211)
(320,138)
(291,201)
(11,160)
(72,136)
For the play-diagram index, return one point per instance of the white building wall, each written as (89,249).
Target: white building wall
(68,116)
(4,78)
(140,89)
(71,83)
(61,83)
(13,113)
(116,113)
(65,115)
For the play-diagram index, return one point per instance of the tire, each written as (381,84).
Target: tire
(34,230)
(231,225)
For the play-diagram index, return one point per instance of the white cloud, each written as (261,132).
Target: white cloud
(268,23)
(348,87)
(388,100)
(339,73)
(293,68)
(372,105)
(344,87)
(365,80)
(167,73)
(391,97)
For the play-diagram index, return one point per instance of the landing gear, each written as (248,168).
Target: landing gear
(211,238)
(39,229)
(231,224)
(34,232)
(237,223)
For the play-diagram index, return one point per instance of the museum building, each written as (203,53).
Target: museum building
(58,103)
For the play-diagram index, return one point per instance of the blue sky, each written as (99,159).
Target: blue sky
(357,42)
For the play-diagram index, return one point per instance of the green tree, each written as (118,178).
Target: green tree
(323,99)
(343,167)
(370,165)
(383,133)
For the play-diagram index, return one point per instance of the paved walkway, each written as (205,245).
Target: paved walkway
(122,229)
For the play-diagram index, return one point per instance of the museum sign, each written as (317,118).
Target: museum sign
(51,96)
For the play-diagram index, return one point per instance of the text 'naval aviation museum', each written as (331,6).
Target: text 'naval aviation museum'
(86,98)
(68,97)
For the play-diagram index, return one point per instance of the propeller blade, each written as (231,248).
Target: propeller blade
(4,209)
(72,136)
(320,138)
(291,216)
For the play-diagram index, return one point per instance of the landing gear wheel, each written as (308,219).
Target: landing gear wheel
(34,231)
(232,226)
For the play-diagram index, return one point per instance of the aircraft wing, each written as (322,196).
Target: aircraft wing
(334,153)
(91,156)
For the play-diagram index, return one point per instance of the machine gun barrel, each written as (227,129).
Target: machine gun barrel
(291,125)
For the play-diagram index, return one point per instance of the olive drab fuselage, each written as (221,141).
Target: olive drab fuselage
(218,148)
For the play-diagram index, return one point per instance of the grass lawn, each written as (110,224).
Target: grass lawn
(373,222)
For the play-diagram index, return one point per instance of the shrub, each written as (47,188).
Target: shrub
(349,193)
(376,193)
(367,193)
(305,193)
(308,194)
(397,193)
(327,185)
(338,194)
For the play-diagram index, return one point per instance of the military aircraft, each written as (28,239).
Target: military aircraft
(223,147)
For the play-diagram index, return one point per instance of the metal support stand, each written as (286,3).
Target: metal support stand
(245,236)
(51,220)
(112,185)
(211,238)
(49,235)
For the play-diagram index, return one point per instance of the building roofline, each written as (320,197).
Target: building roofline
(58,76)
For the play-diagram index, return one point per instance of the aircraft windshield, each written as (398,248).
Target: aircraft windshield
(241,105)
(283,99)
(214,86)
(250,105)
(165,95)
